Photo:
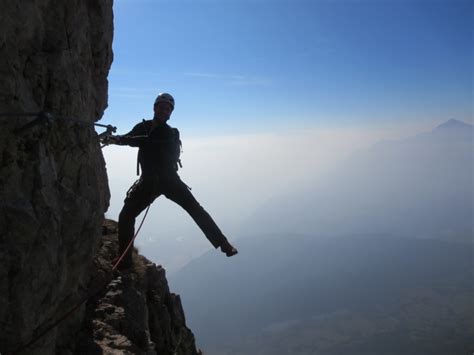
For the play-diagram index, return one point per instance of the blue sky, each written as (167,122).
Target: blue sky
(240,66)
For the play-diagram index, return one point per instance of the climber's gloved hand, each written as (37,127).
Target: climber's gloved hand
(109,139)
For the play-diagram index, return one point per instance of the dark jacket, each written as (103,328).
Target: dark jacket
(158,149)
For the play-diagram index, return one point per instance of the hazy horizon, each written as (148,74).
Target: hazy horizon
(242,174)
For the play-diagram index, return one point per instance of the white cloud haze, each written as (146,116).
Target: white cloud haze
(232,176)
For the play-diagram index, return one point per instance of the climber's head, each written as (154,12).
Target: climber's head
(163,107)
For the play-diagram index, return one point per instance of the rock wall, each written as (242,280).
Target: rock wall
(55,57)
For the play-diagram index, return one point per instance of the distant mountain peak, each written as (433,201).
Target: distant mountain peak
(454,124)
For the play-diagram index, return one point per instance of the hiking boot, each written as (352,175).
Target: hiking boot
(228,249)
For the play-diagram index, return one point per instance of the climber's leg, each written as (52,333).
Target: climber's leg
(139,196)
(178,192)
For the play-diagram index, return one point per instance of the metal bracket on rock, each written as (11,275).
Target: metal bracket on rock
(109,130)
(46,119)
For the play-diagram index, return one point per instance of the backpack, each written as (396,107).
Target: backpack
(175,151)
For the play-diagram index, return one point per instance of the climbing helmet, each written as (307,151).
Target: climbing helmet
(165,97)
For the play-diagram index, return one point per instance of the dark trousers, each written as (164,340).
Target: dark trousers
(146,190)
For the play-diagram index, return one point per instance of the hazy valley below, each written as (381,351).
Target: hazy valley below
(374,259)
(353,295)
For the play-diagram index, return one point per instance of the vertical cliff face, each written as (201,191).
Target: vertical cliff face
(54,56)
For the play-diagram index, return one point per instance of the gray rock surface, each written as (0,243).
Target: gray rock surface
(55,57)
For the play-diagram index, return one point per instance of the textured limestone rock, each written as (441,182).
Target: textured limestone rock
(54,56)
(135,313)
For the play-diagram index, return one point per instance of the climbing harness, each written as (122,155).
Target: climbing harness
(46,119)
(86,297)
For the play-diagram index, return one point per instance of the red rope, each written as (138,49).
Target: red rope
(131,241)
(68,313)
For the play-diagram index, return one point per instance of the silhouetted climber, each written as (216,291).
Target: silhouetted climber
(158,156)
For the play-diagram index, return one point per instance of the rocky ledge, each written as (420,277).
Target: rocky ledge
(135,313)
